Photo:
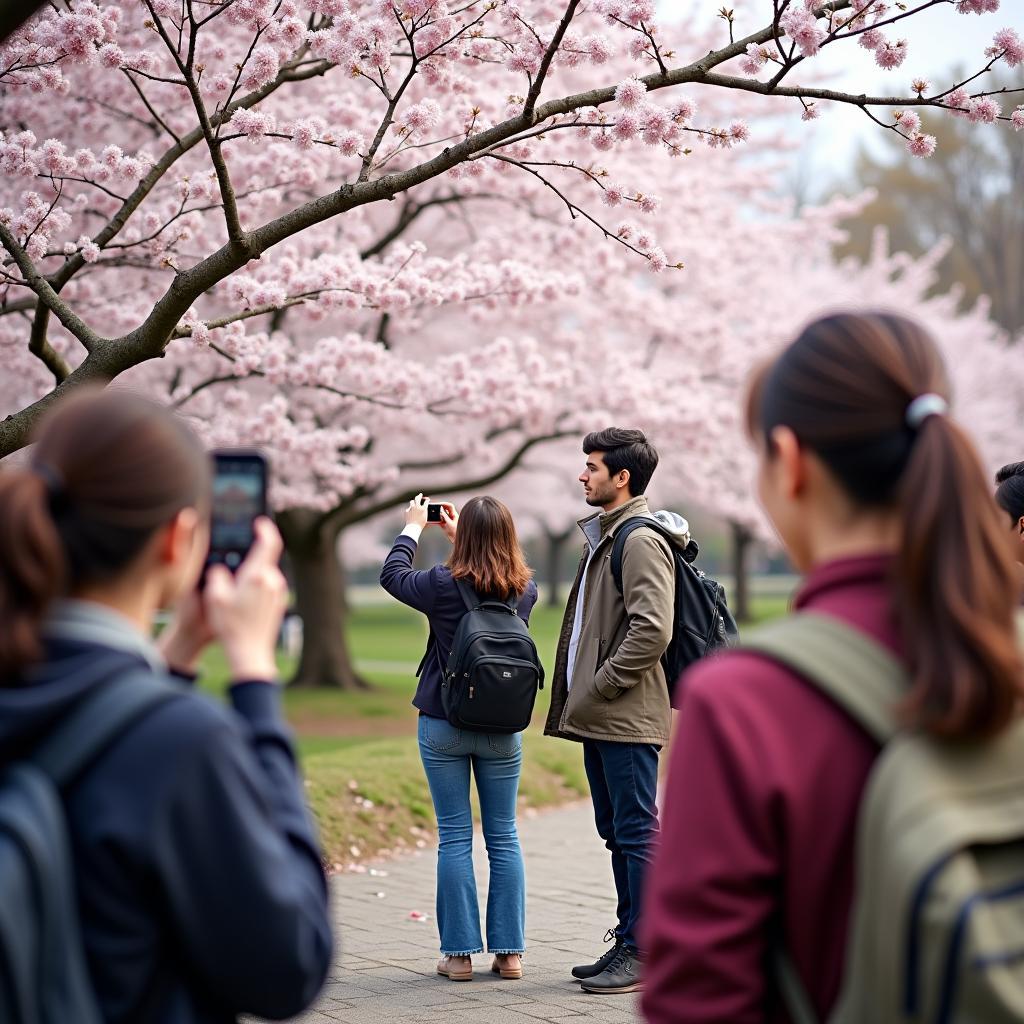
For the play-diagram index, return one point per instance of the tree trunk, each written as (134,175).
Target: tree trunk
(320,597)
(555,550)
(740,597)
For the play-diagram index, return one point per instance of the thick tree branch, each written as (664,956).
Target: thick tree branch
(81,330)
(345,515)
(40,347)
(25,305)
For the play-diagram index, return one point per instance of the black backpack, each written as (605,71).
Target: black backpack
(702,621)
(494,672)
(43,975)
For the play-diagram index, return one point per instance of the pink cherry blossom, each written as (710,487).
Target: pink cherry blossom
(657,261)
(756,57)
(740,131)
(627,126)
(909,121)
(983,110)
(1008,45)
(921,145)
(262,67)
(613,195)
(1017,118)
(630,93)
(958,101)
(804,29)
(599,50)
(872,39)
(891,55)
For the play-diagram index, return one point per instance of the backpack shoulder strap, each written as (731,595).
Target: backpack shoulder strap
(468,595)
(97,721)
(856,672)
(622,535)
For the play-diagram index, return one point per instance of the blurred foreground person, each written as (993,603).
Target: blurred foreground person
(178,855)
(843,832)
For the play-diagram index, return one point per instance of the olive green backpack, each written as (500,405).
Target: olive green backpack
(937,929)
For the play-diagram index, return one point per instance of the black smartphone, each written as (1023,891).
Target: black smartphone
(239,498)
(434,512)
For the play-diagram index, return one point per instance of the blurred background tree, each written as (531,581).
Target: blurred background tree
(969,192)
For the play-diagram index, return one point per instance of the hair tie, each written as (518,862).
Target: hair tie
(56,492)
(924,406)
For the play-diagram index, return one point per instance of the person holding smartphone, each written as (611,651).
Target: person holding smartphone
(486,555)
(201,894)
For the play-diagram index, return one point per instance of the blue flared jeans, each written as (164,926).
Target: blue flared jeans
(449,756)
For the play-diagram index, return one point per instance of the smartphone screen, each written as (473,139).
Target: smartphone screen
(239,497)
(434,513)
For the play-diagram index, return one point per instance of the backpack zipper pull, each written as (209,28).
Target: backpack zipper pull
(471,693)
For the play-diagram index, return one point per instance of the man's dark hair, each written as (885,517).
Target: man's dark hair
(625,449)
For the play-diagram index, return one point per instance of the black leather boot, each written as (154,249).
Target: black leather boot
(585,971)
(622,975)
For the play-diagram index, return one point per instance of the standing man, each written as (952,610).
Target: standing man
(609,688)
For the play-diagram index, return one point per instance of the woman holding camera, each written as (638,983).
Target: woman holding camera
(487,556)
(199,884)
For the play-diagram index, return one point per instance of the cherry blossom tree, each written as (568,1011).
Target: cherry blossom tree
(229,127)
(402,244)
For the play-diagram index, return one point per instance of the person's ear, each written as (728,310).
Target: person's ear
(176,541)
(791,461)
(1020,526)
(622,478)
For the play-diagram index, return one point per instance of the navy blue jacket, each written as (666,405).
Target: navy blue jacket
(200,885)
(433,592)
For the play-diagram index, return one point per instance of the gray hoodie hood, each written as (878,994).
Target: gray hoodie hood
(84,645)
(676,525)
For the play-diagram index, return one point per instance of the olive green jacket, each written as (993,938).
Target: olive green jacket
(617,691)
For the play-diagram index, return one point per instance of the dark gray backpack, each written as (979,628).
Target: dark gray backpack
(43,975)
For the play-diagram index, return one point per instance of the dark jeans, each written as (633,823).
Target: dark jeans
(623,781)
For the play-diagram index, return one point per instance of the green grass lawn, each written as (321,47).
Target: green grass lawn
(363,775)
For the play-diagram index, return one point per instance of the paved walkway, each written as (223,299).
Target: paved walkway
(385,970)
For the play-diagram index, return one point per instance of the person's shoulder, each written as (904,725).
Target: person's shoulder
(748,686)
(731,673)
(645,543)
(188,720)
(441,574)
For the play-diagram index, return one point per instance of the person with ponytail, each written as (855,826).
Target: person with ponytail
(1010,498)
(881,502)
(199,883)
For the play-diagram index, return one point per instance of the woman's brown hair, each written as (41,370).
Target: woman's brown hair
(108,469)
(844,388)
(487,554)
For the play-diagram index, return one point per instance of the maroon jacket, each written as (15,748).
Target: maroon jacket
(758,826)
